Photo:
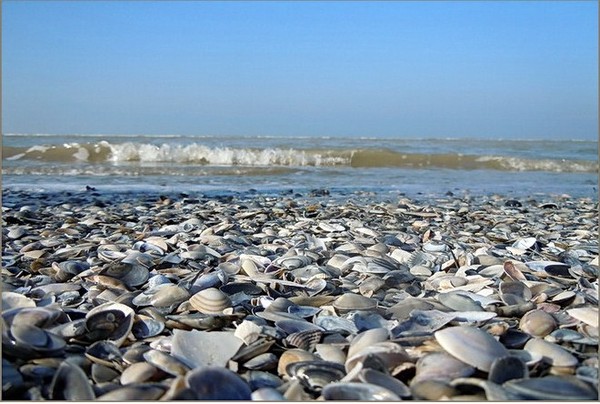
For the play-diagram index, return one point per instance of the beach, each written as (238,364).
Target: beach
(298,294)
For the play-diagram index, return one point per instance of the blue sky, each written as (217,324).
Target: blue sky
(523,69)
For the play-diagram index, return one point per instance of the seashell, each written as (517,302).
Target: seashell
(70,383)
(217,383)
(146,327)
(378,378)
(17,232)
(385,355)
(441,366)
(68,269)
(248,288)
(471,345)
(507,368)
(551,388)
(204,348)
(210,301)
(109,321)
(33,340)
(166,362)
(459,302)
(306,339)
(138,372)
(314,375)
(513,272)
(423,321)
(262,380)
(315,286)
(267,394)
(169,295)
(529,358)
(366,339)
(352,301)
(291,326)
(588,315)
(537,323)
(550,268)
(334,323)
(432,389)
(514,292)
(291,356)
(105,353)
(552,353)
(12,300)
(330,353)
(281,304)
(303,311)
(130,275)
(264,361)
(128,393)
(483,389)
(103,374)
(293,262)
(357,392)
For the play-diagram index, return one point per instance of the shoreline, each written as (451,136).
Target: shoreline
(307,275)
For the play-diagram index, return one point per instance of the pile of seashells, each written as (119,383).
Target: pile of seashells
(289,298)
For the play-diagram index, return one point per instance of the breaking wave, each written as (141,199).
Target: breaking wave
(148,154)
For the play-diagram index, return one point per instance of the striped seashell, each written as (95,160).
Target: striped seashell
(304,339)
(210,301)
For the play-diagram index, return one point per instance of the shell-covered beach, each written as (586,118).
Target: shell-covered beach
(298,296)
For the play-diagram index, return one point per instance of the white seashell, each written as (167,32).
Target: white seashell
(210,301)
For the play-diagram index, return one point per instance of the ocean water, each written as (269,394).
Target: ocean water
(271,164)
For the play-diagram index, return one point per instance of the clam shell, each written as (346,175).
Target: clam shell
(128,393)
(138,372)
(352,301)
(588,315)
(507,368)
(166,362)
(204,348)
(217,383)
(514,292)
(11,300)
(105,353)
(552,388)
(70,383)
(384,380)
(385,355)
(146,327)
(306,339)
(471,345)
(357,392)
(109,321)
(314,375)
(537,323)
(210,301)
(552,353)
(441,366)
(291,356)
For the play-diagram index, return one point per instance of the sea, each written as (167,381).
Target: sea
(386,167)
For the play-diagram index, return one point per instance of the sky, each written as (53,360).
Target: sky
(519,69)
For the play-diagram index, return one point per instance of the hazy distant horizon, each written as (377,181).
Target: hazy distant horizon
(414,70)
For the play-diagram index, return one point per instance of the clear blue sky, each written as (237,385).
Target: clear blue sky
(521,69)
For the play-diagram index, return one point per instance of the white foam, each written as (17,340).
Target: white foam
(222,156)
